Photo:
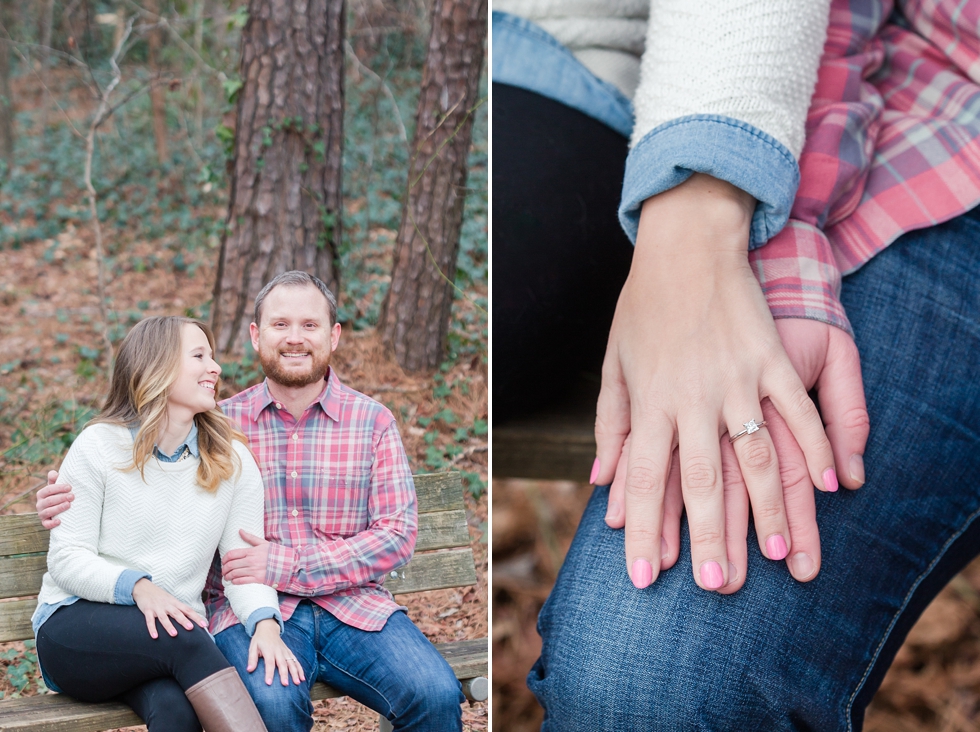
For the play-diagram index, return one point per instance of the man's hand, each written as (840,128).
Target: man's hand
(267,644)
(52,499)
(246,566)
(158,604)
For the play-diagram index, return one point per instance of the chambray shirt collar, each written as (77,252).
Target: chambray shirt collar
(328,400)
(190,442)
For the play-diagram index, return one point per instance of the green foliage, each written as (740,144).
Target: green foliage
(45,436)
(244,372)
(21,669)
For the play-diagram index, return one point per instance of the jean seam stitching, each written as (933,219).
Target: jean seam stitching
(908,597)
(347,673)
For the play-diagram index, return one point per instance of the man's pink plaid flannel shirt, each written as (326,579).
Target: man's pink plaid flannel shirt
(893,145)
(340,506)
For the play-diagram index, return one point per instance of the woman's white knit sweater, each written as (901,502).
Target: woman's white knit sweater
(751,60)
(167,526)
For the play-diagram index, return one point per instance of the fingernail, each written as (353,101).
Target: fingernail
(801,566)
(830,480)
(711,575)
(776,547)
(612,510)
(595,471)
(664,551)
(857,469)
(642,574)
(732,573)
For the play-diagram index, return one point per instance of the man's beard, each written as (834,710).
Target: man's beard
(272,367)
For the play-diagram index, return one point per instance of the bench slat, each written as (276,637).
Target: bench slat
(442,530)
(58,713)
(436,571)
(439,491)
(433,571)
(15,619)
(20,576)
(22,534)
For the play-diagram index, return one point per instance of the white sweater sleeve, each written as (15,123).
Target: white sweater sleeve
(752,60)
(247,512)
(73,554)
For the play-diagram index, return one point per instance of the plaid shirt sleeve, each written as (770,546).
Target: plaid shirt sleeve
(798,268)
(386,544)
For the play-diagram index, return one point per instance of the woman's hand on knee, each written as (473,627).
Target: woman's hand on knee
(267,643)
(157,604)
(692,353)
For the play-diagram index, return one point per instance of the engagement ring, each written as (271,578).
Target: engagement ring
(750,427)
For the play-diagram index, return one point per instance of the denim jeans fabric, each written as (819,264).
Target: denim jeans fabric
(395,671)
(780,655)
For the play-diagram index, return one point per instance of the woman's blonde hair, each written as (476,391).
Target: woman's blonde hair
(147,366)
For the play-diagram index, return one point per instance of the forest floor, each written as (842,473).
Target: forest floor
(933,685)
(162,228)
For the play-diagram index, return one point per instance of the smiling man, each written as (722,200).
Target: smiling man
(340,513)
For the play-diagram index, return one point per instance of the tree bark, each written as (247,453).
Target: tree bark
(157,100)
(6,100)
(417,308)
(285,203)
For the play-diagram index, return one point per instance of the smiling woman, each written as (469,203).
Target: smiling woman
(161,480)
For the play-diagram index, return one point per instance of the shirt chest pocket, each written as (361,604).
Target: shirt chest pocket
(341,501)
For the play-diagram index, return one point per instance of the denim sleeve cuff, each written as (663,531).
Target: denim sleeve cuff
(263,613)
(123,593)
(723,147)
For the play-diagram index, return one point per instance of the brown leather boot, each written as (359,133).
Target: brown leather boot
(222,704)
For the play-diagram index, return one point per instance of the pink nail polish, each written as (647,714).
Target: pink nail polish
(642,573)
(711,575)
(830,480)
(595,471)
(776,547)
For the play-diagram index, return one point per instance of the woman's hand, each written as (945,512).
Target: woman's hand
(267,644)
(158,604)
(692,353)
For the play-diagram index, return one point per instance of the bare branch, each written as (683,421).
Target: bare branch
(384,87)
(162,21)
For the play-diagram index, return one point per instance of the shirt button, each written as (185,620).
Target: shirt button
(275,585)
(293,474)
(278,405)
(295,512)
(295,437)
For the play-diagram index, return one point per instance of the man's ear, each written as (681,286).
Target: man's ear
(253,330)
(334,337)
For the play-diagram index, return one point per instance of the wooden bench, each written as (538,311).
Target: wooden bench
(443,558)
(553,443)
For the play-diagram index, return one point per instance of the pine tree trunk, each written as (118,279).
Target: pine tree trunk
(415,319)
(285,204)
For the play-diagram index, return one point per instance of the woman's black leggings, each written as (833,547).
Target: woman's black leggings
(95,652)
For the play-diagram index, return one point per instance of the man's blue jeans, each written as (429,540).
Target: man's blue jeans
(395,671)
(780,655)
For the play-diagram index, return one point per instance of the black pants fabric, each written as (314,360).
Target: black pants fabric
(560,257)
(96,652)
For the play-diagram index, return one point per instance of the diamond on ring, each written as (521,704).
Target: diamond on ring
(750,427)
